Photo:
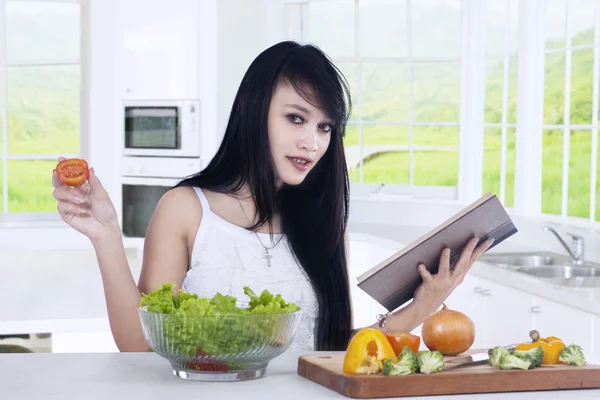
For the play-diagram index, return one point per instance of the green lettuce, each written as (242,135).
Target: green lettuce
(223,332)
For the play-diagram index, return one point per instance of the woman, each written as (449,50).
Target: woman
(270,211)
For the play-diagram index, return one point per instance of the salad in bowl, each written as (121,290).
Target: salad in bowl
(218,338)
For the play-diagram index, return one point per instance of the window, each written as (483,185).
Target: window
(40,73)
(570,110)
(402,59)
(500,99)
(524,117)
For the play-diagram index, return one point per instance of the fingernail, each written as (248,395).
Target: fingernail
(446,252)
(77,199)
(421,267)
(92,172)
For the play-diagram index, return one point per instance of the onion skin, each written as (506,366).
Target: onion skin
(449,332)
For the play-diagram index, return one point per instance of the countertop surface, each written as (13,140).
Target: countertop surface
(148,376)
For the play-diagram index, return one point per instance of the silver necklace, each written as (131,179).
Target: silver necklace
(267,256)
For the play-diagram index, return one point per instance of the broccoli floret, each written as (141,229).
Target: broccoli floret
(497,352)
(510,361)
(430,361)
(390,368)
(572,355)
(407,363)
(534,355)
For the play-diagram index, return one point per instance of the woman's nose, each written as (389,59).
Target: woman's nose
(310,140)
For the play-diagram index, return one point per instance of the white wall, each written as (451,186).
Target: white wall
(244,32)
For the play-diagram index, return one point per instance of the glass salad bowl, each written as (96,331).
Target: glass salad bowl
(225,347)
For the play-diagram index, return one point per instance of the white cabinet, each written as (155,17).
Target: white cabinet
(508,315)
(469,300)
(595,350)
(568,323)
(160,49)
(501,314)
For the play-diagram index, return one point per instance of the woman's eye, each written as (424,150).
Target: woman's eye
(295,118)
(326,128)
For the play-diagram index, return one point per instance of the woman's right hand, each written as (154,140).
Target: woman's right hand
(87,208)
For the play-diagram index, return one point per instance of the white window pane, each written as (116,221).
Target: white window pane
(554,89)
(492,161)
(436,92)
(385,91)
(382,138)
(383,28)
(42,30)
(385,155)
(435,158)
(30,186)
(43,110)
(352,152)
(331,27)
(495,87)
(579,174)
(2,77)
(582,79)
(348,69)
(436,28)
(582,21)
(552,159)
(555,23)
(496,25)
(1,187)
(597,205)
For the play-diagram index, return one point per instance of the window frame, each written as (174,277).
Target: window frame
(37,218)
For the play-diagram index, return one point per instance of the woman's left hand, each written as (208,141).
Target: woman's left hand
(434,290)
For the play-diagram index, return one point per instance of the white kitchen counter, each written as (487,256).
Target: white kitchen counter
(148,376)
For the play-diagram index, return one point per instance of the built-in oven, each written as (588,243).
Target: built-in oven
(161,128)
(143,182)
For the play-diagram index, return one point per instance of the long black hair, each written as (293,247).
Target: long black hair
(314,214)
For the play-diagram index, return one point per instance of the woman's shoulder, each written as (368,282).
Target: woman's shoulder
(181,206)
(180,196)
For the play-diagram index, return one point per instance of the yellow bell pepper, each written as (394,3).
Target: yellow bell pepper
(367,351)
(551,346)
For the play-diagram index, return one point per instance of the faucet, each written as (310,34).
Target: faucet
(575,250)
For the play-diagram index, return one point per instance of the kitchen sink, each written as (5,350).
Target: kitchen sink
(548,266)
(526,259)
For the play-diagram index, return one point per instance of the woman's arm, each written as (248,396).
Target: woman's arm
(434,290)
(172,229)
(165,259)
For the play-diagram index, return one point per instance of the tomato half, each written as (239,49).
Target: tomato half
(73,171)
(400,339)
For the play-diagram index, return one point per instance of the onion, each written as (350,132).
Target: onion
(449,332)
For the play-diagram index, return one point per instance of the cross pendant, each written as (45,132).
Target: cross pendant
(268,257)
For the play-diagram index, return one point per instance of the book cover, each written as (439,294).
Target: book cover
(393,282)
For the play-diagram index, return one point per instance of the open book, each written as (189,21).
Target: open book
(393,281)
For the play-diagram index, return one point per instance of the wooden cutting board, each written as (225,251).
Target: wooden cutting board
(326,369)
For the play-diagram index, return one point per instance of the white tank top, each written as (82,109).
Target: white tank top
(227,257)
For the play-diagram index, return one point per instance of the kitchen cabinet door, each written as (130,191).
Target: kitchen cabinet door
(160,49)
(467,299)
(508,315)
(595,350)
(569,324)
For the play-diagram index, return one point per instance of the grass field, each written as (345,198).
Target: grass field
(441,168)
